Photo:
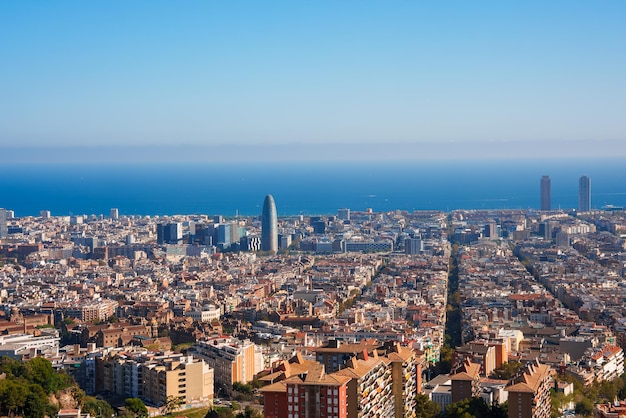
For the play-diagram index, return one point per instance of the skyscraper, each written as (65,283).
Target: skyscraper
(3,223)
(269,225)
(545,193)
(584,194)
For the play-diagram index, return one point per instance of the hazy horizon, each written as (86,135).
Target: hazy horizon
(268,153)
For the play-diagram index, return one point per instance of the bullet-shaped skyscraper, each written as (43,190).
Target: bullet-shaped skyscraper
(545,193)
(584,194)
(269,225)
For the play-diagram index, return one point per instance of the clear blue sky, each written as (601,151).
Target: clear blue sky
(268,72)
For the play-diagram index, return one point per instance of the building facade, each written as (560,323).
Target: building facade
(529,393)
(584,194)
(545,194)
(269,225)
(232,359)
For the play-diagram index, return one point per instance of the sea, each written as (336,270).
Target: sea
(308,188)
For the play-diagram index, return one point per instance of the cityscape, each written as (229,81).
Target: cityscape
(312,209)
(354,314)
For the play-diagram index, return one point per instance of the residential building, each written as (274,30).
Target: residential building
(186,378)
(370,386)
(529,392)
(317,394)
(464,383)
(232,359)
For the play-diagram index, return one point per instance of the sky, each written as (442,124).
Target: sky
(299,77)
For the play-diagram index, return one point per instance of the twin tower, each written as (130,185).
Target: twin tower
(584,194)
(269,225)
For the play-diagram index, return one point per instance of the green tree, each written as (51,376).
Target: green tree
(173,403)
(36,405)
(97,407)
(220,413)
(249,413)
(245,388)
(136,407)
(584,407)
(13,396)
(506,371)
(40,371)
(425,408)
(468,408)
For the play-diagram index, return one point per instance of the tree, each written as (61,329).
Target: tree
(468,408)
(40,371)
(36,403)
(13,396)
(173,403)
(136,406)
(97,408)
(425,408)
(245,388)
(249,413)
(506,371)
(220,413)
(584,407)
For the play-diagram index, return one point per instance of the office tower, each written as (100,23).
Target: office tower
(115,213)
(224,235)
(171,233)
(413,246)
(45,214)
(584,194)
(545,193)
(343,214)
(269,225)
(3,223)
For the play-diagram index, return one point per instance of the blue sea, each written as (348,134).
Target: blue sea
(302,188)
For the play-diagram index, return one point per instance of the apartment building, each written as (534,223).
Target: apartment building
(317,394)
(370,387)
(233,360)
(186,378)
(529,393)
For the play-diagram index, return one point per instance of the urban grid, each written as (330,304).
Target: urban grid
(356,314)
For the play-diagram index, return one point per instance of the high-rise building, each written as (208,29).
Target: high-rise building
(233,360)
(3,223)
(343,214)
(269,225)
(115,213)
(171,233)
(529,392)
(545,193)
(584,194)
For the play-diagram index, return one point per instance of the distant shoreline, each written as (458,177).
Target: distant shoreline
(302,187)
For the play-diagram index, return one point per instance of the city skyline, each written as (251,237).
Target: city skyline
(491,79)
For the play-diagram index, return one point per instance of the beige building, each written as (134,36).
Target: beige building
(233,360)
(370,388)
(186,378)
(404,372)
(155,378)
